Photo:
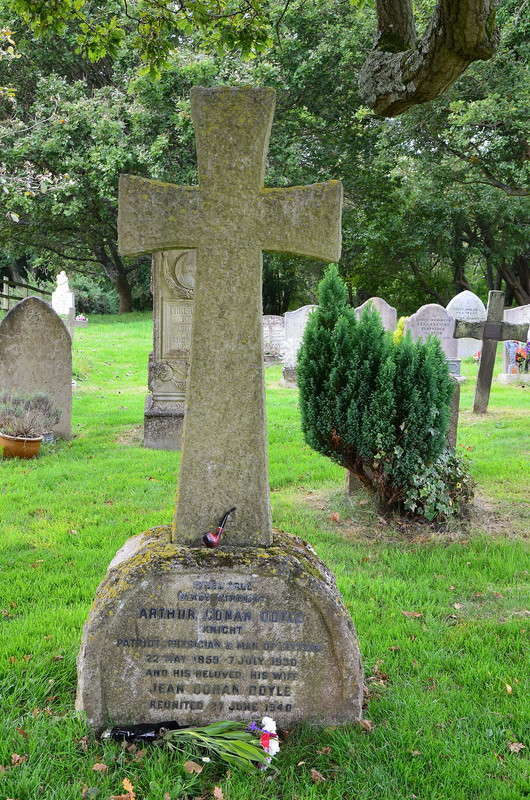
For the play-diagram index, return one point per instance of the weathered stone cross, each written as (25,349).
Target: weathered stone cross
(229,219)
(491,331)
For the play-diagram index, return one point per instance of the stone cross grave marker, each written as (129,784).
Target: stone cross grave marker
(229,219)
(177,630)
(36,355)
(172,286)
(491,331)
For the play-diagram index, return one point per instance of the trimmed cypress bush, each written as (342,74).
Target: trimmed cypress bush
(381,409)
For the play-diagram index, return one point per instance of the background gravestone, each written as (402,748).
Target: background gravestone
(273,336)
(255,626)
(36,355)
(172,286)
(469,307)
(521,314)
(434,319)
(387,312)
(295,322)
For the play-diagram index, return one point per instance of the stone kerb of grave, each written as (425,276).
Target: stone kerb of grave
(510,372)
(36,355)
(172,287)
(469,307)
(295,323)
(387,312)
(255,626)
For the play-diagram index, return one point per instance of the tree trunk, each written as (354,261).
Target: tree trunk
(399,74)
(116,273)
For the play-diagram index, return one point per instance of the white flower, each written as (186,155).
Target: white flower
(274,747)
(206,759)
(268,724)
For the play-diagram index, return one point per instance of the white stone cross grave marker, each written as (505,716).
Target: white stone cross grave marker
(491,331)
(229,219)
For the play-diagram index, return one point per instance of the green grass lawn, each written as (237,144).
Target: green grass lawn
(446,690)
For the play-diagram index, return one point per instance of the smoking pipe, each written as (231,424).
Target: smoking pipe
(212,539)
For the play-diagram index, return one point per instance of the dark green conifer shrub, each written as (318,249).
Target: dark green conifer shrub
(381,409)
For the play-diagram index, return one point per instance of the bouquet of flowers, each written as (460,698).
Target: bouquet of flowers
(522,357)
(251,747)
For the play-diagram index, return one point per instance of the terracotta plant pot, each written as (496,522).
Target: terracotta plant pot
(18,447)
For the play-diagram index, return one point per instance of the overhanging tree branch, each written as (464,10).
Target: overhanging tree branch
(399,73)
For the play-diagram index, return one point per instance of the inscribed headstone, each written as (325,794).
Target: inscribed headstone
(172,285)
(434,319)
(295,322)
(273,334)
(63,298)
(36,355)
(469,307)
(387,312)
(255,626)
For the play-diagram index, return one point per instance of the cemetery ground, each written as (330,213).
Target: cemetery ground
(442,614)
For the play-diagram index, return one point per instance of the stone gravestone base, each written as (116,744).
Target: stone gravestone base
(163,424)
(288,380)
(269,636)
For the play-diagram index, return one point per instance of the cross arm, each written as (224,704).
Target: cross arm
(497,331)
(171,219)
(303,220)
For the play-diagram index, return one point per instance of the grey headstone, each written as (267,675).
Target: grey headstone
(273,335)
(255,626)
(36,355)
(387,312)
(295,322)
(469,307)
(203,635)
(434,319)
(172,286)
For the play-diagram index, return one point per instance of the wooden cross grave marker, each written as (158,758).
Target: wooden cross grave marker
(491,331)
(228,219)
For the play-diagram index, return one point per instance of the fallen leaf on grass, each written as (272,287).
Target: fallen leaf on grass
(99,767)
(317,776)
(218,793)
(458,606)
(324,751)
(127,785)
(83,742)
(22,732)
(367,726)
(192,766)
(16,759)
(416,614)
(335,516)
(394,647)
(516,747)
(58,658)
(509,688)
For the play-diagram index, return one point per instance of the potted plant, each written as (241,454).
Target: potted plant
(24,420)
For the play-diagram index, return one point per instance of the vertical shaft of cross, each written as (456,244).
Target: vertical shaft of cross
(229,219)
(488,353)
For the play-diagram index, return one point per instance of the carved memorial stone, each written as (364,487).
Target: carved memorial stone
(387,312)
(295,322)
(434,319)
(172,285)
(273,336)
(63,299)
(469,307)
(36,355)
(255,626)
